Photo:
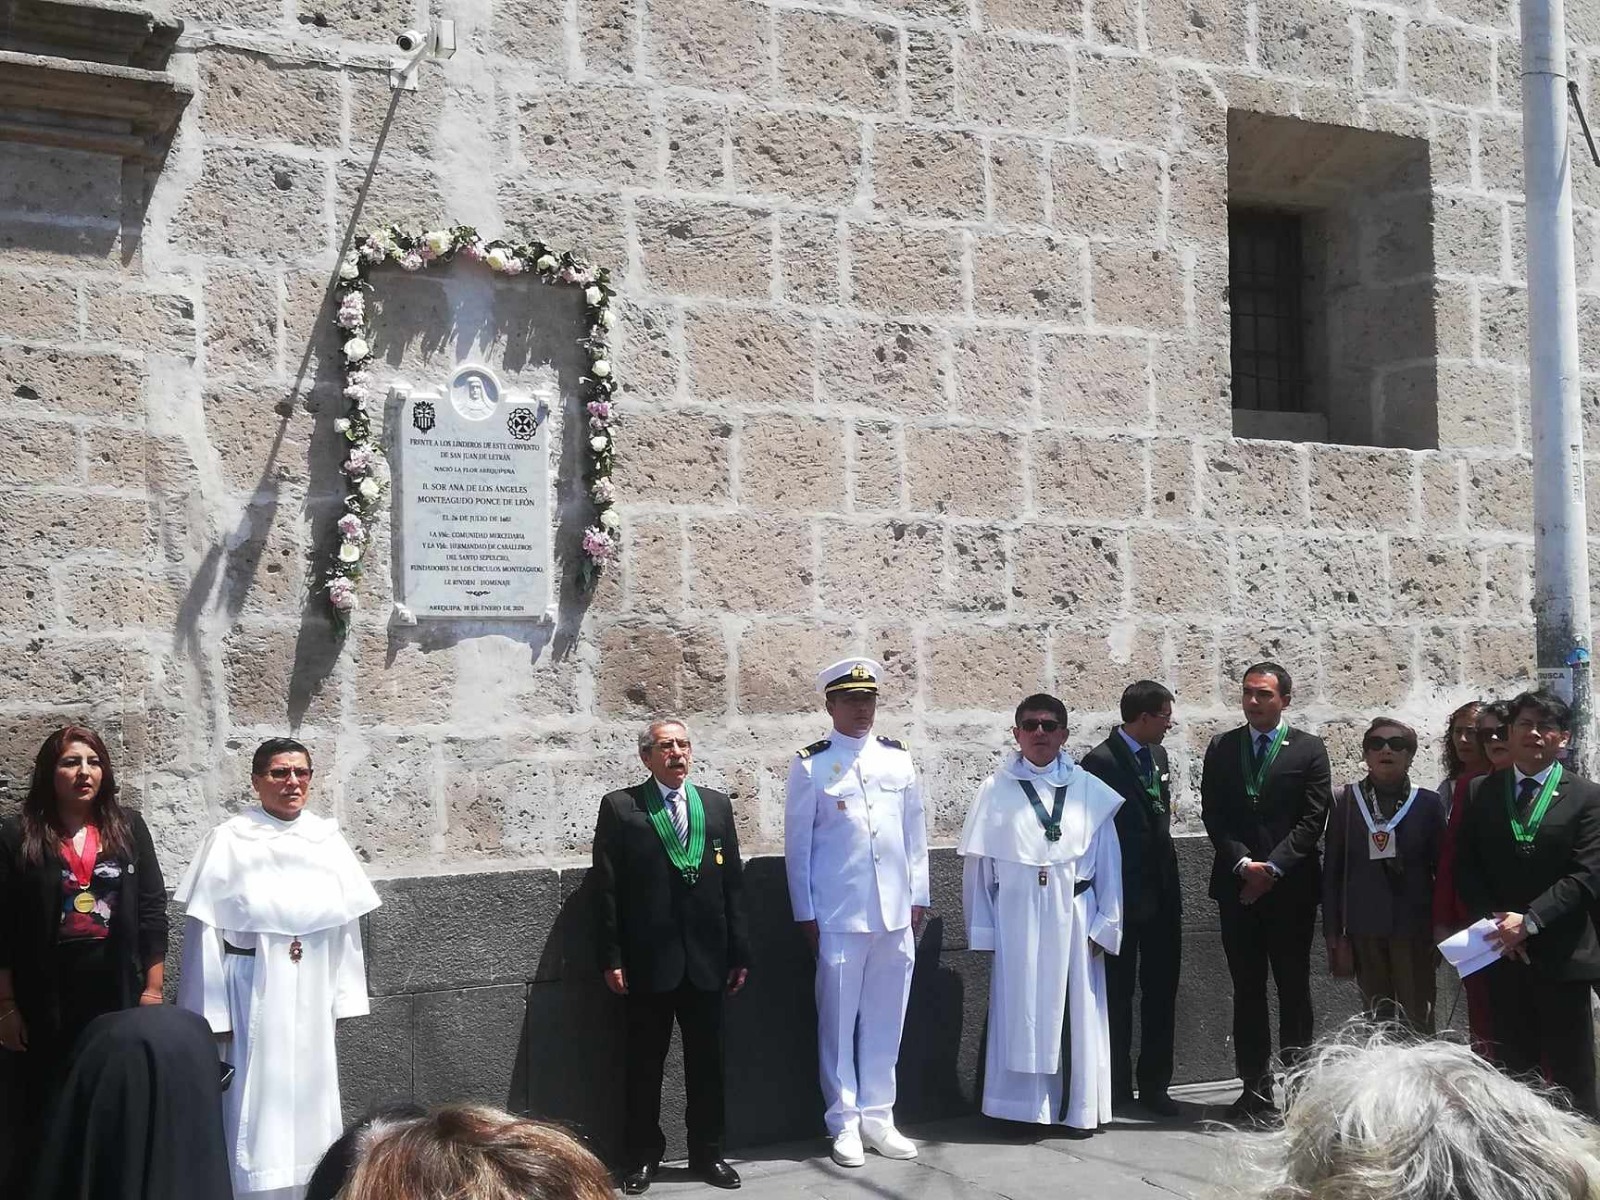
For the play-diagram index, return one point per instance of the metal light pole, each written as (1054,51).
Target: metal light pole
(1560,545)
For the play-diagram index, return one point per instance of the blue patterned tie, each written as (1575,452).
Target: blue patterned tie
(680,819)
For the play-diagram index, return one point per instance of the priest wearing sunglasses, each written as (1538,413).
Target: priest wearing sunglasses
(1264,795)
(1528,858)
(669,891)
(1042,889)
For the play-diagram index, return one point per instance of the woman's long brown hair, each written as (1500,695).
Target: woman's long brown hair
(41,840)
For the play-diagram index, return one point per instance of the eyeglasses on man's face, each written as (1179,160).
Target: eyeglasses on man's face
(284,774)
(1034,724)
(666,744)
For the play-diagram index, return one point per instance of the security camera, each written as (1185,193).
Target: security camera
(411,41)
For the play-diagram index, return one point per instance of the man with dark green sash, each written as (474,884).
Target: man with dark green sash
(1264,796)
(669,893)
(1528,858)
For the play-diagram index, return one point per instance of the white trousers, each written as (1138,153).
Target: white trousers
(865,976)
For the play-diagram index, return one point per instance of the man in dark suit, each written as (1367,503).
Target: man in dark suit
(1528,856)
(1133,762)
(669,886)
(1264,796)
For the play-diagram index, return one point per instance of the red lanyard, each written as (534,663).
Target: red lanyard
(82,865)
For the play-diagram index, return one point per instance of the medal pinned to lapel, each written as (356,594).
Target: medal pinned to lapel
(716,850)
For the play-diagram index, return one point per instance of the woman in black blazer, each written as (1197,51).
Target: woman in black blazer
(83,910)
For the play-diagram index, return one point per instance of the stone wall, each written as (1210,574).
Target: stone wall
(923,353)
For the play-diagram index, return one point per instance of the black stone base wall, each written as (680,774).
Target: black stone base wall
(485,987)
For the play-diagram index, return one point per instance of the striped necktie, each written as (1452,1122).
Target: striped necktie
(680,819)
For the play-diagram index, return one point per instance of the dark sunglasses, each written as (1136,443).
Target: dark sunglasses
(1032,724)
(1497,734)
(1400,745)
(282,774)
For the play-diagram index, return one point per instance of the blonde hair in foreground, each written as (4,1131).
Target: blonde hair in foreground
(469,1152)
(1374,1115)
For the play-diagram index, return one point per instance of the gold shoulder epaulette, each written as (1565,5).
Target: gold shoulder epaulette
(814,748)
(896,743)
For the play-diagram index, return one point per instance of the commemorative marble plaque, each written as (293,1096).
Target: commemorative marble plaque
(473,483)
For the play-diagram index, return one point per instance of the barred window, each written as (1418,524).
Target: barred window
(1266,276)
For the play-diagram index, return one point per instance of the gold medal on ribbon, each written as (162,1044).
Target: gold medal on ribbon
(295,951)
(84,902)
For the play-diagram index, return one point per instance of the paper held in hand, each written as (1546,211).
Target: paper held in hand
(1469,950)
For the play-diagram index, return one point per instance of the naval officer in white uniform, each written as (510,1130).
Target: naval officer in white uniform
(856,848)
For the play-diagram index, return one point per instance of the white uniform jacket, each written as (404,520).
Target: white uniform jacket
(855,841)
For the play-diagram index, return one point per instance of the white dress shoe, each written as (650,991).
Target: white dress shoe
(889,1142)
(847,1151)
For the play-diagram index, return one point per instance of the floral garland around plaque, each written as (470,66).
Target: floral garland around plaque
(365,469)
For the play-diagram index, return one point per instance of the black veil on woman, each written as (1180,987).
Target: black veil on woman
(140,1114)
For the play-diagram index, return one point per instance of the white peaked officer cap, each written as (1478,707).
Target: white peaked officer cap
(849,675)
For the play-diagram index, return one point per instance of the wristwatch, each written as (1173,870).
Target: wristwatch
(1529,925)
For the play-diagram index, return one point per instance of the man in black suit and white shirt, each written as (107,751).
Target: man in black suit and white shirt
(670,903)
(1133,762)
(1264,796)
(1528,856)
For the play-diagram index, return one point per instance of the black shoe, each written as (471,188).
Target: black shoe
(1014,1131)
(1253,1108)
(1076,1134)
(1120,1097)
(1159,1103)
(717,1173)
(638,1179)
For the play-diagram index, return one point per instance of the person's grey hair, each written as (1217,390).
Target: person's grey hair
(1375,1115)
(647,735)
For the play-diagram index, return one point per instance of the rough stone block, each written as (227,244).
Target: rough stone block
(654,563)
(401,680)
(769,680)
(1242,644)
(993,370)
(1306,38)
(1094,382)
(751,564)
(1104,192)
(27,600)
(792,463)
(1179,572)
(646,668)
(255,204)
(1336,579)
(1018,181)
(1140,289)
(469,1046)
(1367,668)
(886,566)
(1433,577)
(1093,668)
(1067,572)
(272,679)
(1360,489)
(705,249)
(927,173)
(897,270)
(719,44)
(33,527)
(1248,483)
(1477,407)
(375,1056)
(747,357)
(1468,236)
(930,74)
(877,477)
(39,452)
(1439,657)
(899,368)
(963,471)
(1104,87)
(588,132)
(975,569)
(1211,31)
(1036,16)
(1507,581)
(1173,495)
(67,673)
(1500,494)
(1503,324)
(34,380)
(1442,510)
(241,326)
(260,435)
(1017,275)
(1192,383)
(801,155)
(987,669)
(250,97)
(1498,159)
(38,307)
(483,928)
(1500,658)
(1087,477)
(120,457)
(388,810)
(150,321)
(1023,85)
(652,460)
(533,34)
(835,59)
(697,138)
(590,225)
(808,259)
(1449,63)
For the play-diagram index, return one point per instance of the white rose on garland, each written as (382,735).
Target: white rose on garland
(438,240)
(601,368)
(356,349)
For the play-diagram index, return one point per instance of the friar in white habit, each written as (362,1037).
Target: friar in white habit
(272,958)
(1042,885)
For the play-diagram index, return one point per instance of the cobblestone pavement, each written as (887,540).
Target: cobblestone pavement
(967,1159)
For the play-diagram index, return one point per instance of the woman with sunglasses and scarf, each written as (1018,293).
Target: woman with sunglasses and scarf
(1377,880)
(1477,731)
(83,916)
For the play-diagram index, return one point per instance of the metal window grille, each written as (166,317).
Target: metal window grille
(1265,280)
